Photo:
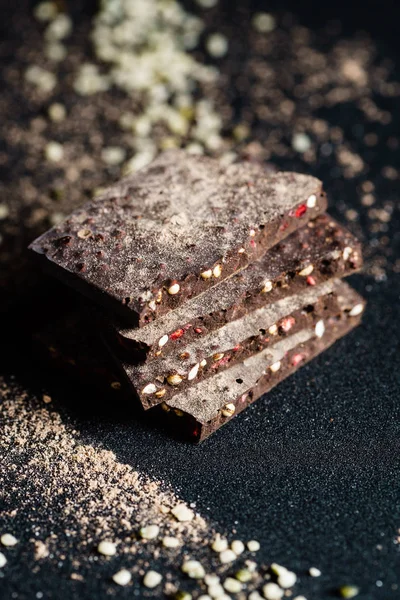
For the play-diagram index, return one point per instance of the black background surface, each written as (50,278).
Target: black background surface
(312,472)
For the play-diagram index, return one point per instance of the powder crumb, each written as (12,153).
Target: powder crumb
(40,550)
(46,399)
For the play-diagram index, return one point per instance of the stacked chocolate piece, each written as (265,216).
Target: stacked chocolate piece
(212,283)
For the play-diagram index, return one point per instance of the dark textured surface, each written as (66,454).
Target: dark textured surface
(316,476)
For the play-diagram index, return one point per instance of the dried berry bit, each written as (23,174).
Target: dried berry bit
(296,359)
(163,340)
(174,288)
(198,330)
(319,329)
(267,287)
(165,407)
(115,385)
(206,274)
(218,356)
(287,324)
(311,201)
(276,366)
(217,271)
(356,310)
(311,280)
(306,271)
(177,334)
(300,211)
(193,372)
(228,410)
(149,389)
(174,379)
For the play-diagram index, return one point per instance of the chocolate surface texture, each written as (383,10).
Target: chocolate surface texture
(175,229)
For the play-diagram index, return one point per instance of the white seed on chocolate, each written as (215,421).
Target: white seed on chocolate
(193,372)
(162,341)
(107,548)
(203,362)
(286,579)
(273,330)
(218,356)
(314,572)
(123,577)
(174,379)
(276,366)
(356,310)
(149,389)
(319,329)
(228,410)
(152,579)
(267,287)
(149,532)
(346,252)
(206,274)
(311,201)
(217,271)
(84,233)
(174,289)
(306,271)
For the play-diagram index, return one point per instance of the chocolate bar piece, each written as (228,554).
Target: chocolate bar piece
(203,408)
(319,251)
(159,380)
(174,230)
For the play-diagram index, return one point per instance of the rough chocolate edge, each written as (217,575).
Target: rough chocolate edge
(204,400)
(242,292)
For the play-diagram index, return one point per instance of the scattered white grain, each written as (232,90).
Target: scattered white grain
(107,548)
(182,513)
(238,547)
(217,45)
(232,585)
(152,579)
(227,556)
(44,80)
(253,545)
(264,22)
(123,577)
(194,569)
(314,572)
(171,542)
(45,11)
(113,155)
(57,112)
(3,560)
(219,544)
(272,591)
(356,310)
(319,329)
(54,152)
(7,539)
(301,142)
(150,532)
(59,28)
(4,211)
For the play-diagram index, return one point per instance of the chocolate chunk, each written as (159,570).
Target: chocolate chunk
(174,230)
(317,252)
(159,380)
(205,407)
